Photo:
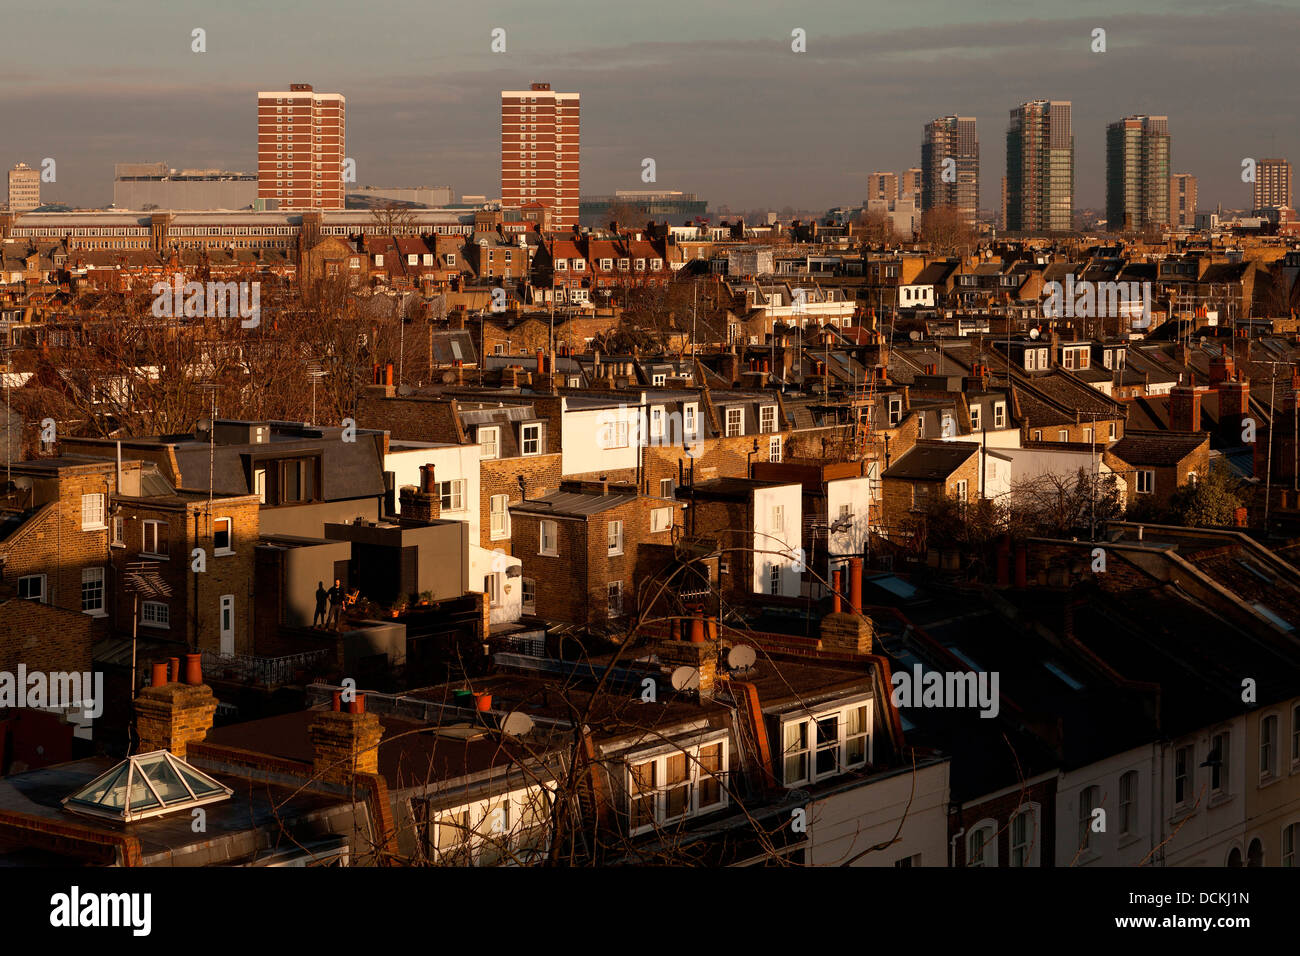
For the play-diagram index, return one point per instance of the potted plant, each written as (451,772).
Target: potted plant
(426,597)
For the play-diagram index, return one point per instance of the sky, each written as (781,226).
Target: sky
(712,91)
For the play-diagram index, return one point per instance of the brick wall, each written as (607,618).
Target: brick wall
(501,477)
(44,638)
(1001,810)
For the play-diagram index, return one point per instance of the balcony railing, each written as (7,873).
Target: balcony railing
(265,671)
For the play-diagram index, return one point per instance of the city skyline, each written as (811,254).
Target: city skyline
(415,120)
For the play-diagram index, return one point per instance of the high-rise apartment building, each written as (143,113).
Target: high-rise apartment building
(1040,167)
(882,186)
(950,165)
(24,188)
(540,150)
(1182,201)
(909,187)
(300,148)
(1137,173)
(1272,184)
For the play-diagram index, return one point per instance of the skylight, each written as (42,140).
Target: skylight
(146,785)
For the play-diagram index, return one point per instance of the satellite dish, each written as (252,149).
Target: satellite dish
(686,678)
(517,724)
(1202,339)
(1034,333)
(914,335)
(741,657)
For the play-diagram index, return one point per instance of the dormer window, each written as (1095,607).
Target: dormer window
(561,265)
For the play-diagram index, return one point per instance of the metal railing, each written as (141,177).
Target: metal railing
(264,671)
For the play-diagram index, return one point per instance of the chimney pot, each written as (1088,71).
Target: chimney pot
(193,669)
(158,677)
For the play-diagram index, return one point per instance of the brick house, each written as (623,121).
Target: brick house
(927,471)
(1154,464)
(579,549)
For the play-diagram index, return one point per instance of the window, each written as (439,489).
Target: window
(1128,803)
(297,480)
(1182,775)
(92,591)
(1038,434)
(155,539)
(688,420)
(735,422)
(1218,761)
(834,741)
(532,439)
(549,538)
(774,448)
(1295,734)
(499,516)
(895,411)
(920,497)
(1290,837)
(1000,415)
(92,512)
(451,495)
(975,418)
(614,435)
(959,490)
(1068,356)
(117,536)
(661,519)
(656,422)
(658,378)
(509,828)
(487,439)
(908,862)
(32,588)
(767,419)
(1268,746)
(615,537)
(1088,801)
(774,579)
(155,614)
(677,785)
(982,845)
(1024,838)
(492,588)
(1063,434)
(1087,436)
(223,536)
(614,593)
(227,618)
(920,425)
(259,484)
(667,488)
(1146,481)
(529,596)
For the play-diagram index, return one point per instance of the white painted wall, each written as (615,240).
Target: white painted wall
(770,538)
(581,431)
(855,493)
(510,590)
(1110,848)
(1028,464)
(450,463)
(842,825)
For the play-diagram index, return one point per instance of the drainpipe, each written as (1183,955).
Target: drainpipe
(952,847)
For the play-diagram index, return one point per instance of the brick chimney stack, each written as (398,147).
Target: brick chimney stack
(345,742)
(1184,409)
(848,630)
(422,503)
(171,715)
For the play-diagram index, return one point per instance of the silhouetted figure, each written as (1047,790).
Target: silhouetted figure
(321,597)
(336,605)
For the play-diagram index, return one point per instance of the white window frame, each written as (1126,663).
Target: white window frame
(614,435)
(528,595)
(1188,776)
(489,439)
(1031,843)
(661,519)
(92,512)
(657,793)
(735,422)
(1146,481)
(988,856)
(1130,803)
(492,588)
(151,524)
(974,418)
(1000,415)
(689,420)
(479,839)
(766,419)
(499,517)
(451,491)
(774,448)
(94,579)
(229,524)
(535,440)
(42,597)
(614,598)
(157,614)
(548,537)
(809,745)
(1268,746)
(614,538)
